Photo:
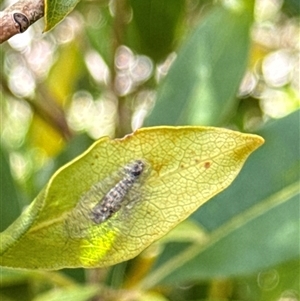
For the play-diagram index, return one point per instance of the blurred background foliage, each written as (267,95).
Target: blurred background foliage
(111,67)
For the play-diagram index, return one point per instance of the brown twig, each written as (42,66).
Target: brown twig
(120,20)
(19,16)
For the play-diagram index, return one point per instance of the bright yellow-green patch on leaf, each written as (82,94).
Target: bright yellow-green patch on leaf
(185,167)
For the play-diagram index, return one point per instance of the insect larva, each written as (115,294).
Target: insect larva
(105,198)
(112,201)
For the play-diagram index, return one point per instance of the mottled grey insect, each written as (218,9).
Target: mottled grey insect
(112,201)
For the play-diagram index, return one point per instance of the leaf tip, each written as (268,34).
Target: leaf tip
(254,142)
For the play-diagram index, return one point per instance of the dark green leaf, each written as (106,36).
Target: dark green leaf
(155,25)
(9,204)
(201,84)
(291,7)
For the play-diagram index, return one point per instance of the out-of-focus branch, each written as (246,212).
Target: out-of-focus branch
(45,107)
(19,16)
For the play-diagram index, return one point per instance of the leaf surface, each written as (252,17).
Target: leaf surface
(8,193)
(56,11)
(201,85)
(253,225)
(155,26)
(185,167)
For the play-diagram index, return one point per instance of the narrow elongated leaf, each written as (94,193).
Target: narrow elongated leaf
(201,85)
(56,11)
(183,168)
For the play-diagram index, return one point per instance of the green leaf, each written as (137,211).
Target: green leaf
(56,11)
(291,7)
(253,225)
(185,167)
(9,198)
(10,277)
(201,84)
(74,147)
(155,25)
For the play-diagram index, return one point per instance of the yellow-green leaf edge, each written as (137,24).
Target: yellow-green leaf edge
(186,167)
